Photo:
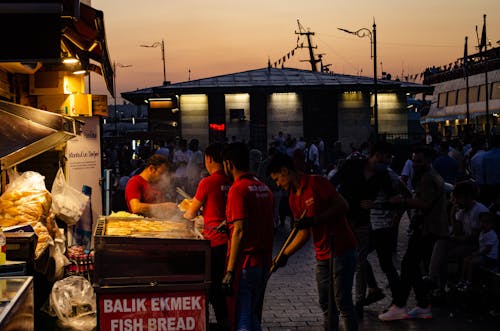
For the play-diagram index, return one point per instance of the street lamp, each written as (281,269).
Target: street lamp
(162,45)
(119,65)
(372,34)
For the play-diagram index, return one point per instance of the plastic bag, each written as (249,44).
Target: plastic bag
(67,203)
(26,200)
(57,260)
(73,301)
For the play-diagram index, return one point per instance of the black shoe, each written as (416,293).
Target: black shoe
(373,297)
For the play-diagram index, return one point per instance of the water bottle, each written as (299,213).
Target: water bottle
(3,247)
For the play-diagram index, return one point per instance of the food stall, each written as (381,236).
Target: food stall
(27,132)
(151,274)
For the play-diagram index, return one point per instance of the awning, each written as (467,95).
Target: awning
(26,132)
(84,36)
(42,32)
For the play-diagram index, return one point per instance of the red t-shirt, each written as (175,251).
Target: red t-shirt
(250,199)
(212,193)
(316,195)
(138,188)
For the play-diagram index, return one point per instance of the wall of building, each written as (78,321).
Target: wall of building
(353,118)
(194,117)
(284,113)
(392,114)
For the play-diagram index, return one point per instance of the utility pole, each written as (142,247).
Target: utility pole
(308,34)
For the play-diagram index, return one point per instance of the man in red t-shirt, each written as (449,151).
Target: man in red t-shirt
(249,214)
(145,192)
(320,211)
(211,194)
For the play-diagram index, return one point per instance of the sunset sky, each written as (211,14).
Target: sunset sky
(218,37)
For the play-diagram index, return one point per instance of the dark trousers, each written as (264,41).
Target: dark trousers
(417,256)
(215,295)
(382,242)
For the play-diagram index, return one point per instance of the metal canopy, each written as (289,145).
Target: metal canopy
(26,132)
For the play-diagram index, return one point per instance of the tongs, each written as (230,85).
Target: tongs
(183,193)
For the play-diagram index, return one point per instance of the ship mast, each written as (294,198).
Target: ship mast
(308,34)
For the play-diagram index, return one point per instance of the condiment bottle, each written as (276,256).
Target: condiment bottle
(3,247)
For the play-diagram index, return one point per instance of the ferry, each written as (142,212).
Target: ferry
(451,113)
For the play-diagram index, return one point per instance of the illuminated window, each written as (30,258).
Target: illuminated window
(451,98)
(461,97)
(473,93)
(441,100)
(495,90)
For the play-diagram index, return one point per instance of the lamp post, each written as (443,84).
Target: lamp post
(162,45)
(372,34)
(119,65)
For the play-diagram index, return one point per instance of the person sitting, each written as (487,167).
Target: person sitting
(465,231)
(486,256)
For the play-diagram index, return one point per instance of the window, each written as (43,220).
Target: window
(482,93)
(495,90)
(237,114)
(473,93)
(462,96)
(441,100)
(451,98)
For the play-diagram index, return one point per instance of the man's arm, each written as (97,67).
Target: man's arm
(300,239)
(237,240)
(193,209)
(151,209)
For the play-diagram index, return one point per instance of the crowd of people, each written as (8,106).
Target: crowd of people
(350,204)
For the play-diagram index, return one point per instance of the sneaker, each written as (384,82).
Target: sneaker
(419,312)
(394,313)
(373,297)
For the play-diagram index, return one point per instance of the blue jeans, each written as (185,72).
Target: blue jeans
(342,306)
(250,292)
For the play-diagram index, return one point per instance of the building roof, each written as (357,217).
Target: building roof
(277,80)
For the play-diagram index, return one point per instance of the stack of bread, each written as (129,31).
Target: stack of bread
(29,205)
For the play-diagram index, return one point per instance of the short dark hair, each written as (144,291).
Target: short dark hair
(157,160)
(238,154)
(214,150)
(278,161)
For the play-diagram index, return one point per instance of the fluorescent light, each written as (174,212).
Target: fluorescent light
(70,60)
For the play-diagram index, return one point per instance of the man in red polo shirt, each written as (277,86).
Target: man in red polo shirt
(249,214)
(320,211)
(145,192)
(211,194)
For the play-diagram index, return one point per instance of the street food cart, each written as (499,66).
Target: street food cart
(152,274)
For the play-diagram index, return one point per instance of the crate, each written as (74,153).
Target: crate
(21,247)
(131,260)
